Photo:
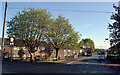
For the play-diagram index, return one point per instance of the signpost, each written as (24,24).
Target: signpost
(11,43)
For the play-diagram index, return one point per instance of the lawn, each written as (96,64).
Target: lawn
(53,61)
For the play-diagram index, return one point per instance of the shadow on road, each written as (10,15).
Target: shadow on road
(33,67)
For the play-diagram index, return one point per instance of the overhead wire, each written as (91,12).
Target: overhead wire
(70,10)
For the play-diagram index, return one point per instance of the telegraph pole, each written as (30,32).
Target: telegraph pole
(2,43)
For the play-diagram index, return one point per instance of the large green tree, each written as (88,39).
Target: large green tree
(115,28)
(29,25)
(87,43)
(61,35)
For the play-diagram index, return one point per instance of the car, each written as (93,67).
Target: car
(89,53)
(101,57)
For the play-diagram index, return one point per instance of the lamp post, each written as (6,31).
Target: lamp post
(2,43)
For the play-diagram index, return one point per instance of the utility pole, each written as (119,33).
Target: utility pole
(2,43)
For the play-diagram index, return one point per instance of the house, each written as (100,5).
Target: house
(42,51)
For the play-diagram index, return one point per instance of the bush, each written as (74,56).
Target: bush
(21,53)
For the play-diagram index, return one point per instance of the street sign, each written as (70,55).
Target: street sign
(11,43)
(11,39)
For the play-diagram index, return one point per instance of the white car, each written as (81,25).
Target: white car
(101,57)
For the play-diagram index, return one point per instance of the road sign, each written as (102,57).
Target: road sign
(11,43)
(11,39)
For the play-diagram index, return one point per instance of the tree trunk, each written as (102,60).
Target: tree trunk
(57,52)
(31,54)
(31,57)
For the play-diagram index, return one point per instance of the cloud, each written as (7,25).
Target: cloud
(83,26)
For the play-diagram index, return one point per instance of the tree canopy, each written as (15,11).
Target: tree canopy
(61,35)
(29,25)
(115,29)
(35,25)
(87,43)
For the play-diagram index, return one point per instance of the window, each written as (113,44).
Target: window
(24,55)
(37,54)
(29,55)
(15,55)
(80,51)
(43,55)
(65,50)
(43,48)
(24,48)
(69,51)
(16,48)
(65,55)
(60,56)
(73,51)
(47,54)
(38,48)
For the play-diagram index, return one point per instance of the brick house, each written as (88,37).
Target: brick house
(41,51)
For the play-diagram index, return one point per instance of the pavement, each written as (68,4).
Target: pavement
(81,65)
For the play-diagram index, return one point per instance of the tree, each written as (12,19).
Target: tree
(87,43)
(81,43)
(61,34)
(115,28)
(21,53)
(29,26)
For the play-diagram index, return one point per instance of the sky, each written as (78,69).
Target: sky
(89,23)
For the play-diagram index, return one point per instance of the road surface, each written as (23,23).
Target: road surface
(82,65)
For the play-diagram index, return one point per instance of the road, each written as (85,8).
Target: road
(82,65)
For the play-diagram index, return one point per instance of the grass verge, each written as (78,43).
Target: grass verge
(53,61)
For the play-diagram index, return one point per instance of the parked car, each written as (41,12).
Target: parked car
(101,56)
(89,53)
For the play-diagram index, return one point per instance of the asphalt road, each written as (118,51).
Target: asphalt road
(83,65)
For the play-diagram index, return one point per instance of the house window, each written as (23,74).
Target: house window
(43,48)
(29,55)
(65,50)
(16,48)
(43,55)
(24,48)
(24,56)
(15,55)
(47,54)
(69,51)
(65,55)
(60,56)
(37,54)
(73,51)
(80,51)
(6,56)
(38,48)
